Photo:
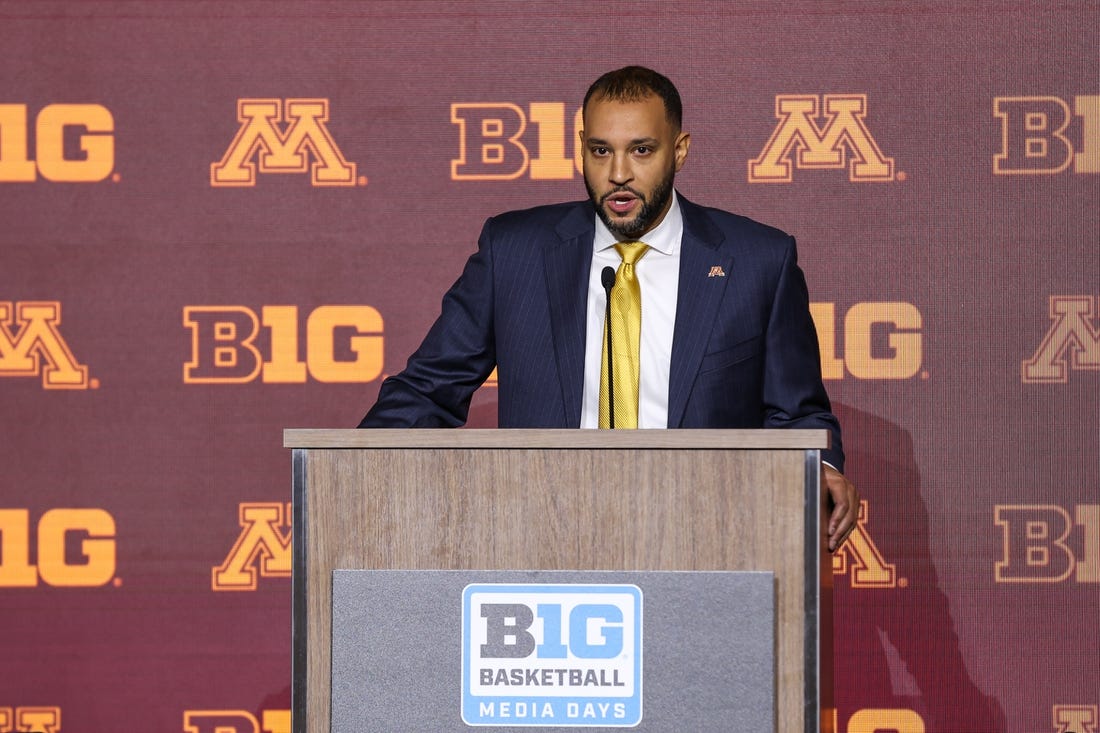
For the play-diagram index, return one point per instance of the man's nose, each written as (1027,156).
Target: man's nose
(621,172)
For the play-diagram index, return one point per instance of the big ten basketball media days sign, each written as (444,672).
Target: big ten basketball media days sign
(566,654)
(428,650)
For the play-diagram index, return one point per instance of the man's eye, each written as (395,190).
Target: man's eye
(599,151)
(642,150)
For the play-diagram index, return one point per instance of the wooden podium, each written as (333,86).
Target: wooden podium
(566,499)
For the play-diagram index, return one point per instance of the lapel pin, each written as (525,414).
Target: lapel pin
(716,271)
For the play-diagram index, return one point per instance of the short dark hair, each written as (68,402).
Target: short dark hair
(635,83)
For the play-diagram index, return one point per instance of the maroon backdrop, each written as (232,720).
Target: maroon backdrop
(223,219)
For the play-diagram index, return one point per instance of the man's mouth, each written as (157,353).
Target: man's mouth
(621,202)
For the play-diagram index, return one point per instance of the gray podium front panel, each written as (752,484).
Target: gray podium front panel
(692,651)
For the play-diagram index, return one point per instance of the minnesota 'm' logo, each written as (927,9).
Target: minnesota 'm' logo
(869,568)
(283,137)
(31,345)
(263,546)
(1072,342)
(827,146)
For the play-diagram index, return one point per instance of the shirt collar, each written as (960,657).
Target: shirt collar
(665,238)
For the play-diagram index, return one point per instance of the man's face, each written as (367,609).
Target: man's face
(631,154)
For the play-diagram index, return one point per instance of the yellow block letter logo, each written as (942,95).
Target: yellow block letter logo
(1072,338)
(882,340)
(235,721)
(38,719)
(95,123)
(261,541)
(876,720)
(282,150)
(1037,548)
(821,147)
(1034,138)
(491,145)
(22,350)
(344,344)
(1076,718)
(60,531)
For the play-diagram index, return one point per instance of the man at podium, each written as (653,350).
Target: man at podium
(635,308)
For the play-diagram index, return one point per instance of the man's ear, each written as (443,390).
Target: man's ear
(683,142)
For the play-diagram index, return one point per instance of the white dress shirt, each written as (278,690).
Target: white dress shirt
(658,274)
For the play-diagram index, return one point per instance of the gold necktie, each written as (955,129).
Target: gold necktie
(626,327)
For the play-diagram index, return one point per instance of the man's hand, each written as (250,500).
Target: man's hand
(845,500)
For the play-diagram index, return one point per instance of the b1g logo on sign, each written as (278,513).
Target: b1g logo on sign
(552,655)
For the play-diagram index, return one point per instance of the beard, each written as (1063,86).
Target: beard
(652,207)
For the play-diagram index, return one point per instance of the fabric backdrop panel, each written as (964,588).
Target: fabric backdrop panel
(221,220)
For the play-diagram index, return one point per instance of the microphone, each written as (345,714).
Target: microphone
(607,277)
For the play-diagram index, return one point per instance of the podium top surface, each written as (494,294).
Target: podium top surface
(558,439)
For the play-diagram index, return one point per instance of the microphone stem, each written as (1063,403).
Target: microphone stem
(610,369)
(608,279)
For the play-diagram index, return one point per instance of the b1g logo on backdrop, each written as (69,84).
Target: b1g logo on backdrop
(826,146)
(283,137)
(881,340)
(494,142)
(73,548)
(552,655)
(1047,543)
(1075,718)
(31,345)
(1036,138)
(343,344)
(37,719)
(72,143)
(1071,343)
(234,721)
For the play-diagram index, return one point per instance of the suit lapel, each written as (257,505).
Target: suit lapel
(568,262)
(699,295)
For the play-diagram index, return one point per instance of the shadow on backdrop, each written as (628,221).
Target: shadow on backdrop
(896,647)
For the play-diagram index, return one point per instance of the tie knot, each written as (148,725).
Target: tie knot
(631,252)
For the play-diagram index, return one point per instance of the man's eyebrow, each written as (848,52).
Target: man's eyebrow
(636,141)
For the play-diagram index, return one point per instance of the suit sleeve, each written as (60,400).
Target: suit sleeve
(457,355)
(794,395)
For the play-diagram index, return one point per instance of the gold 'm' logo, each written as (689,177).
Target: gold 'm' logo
(869,567)
(1072,341)
(824,146)
(23,349)
(44,719)
(285,150)
(262,542)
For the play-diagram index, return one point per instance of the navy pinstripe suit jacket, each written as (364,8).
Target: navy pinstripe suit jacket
(744,350)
